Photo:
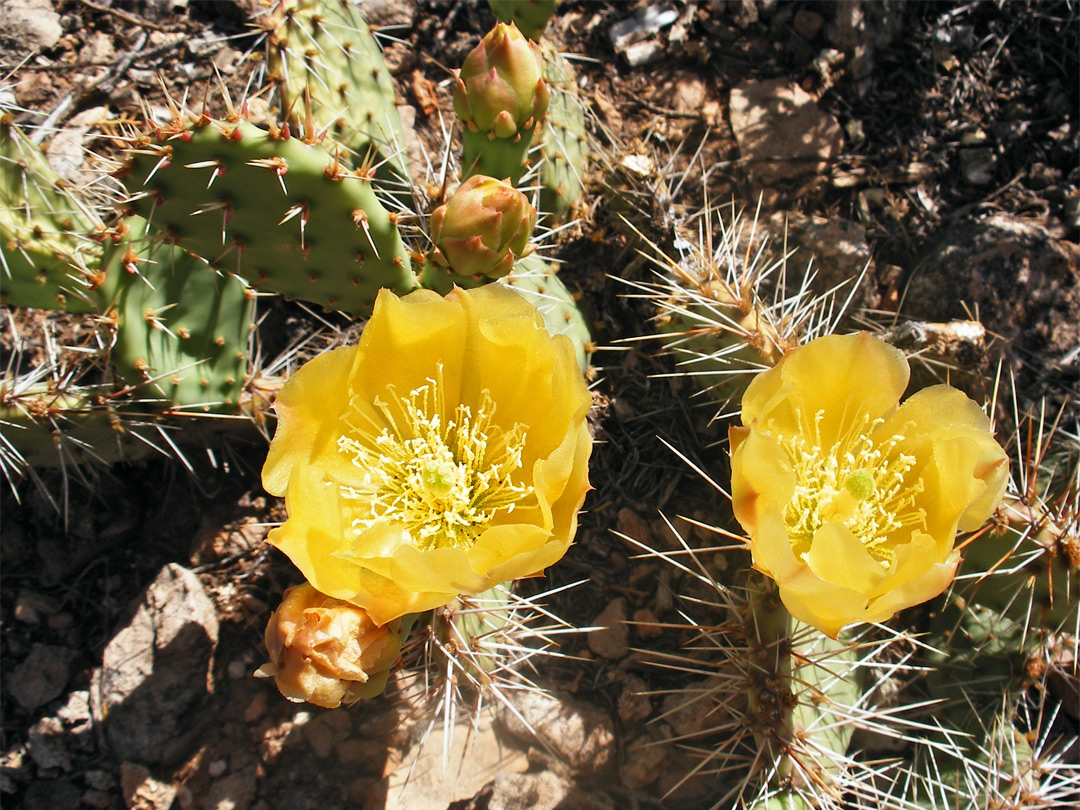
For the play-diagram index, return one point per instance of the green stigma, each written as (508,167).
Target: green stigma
(860,484)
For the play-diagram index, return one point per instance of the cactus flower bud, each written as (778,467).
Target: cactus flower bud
(326,651)
(483,228)
(500,89)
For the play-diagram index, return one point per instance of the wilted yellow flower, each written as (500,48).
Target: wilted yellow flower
(445,454)
(326,651)
(852,504)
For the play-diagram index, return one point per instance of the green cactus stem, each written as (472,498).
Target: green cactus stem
(331,79)
(796,676)
(530,16)
(500,97)
(284,215)
(564,142)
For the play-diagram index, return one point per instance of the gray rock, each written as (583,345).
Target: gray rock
(235,792)
(41,677)
(46,744)
(52,794)
(610,641)
(837,249)
(1024,284)
(580,734)
(539,791)
(156,671)
(27,26)
(142,791)
(780,128)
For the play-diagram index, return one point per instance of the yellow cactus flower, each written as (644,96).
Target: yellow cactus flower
(326,651)
(445,454)
(852,501)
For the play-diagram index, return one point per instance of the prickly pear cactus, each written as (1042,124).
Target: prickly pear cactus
(287,216)
(46,255)
(331,80)
(564,142)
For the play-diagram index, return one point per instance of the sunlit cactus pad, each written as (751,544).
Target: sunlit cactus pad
(284,215)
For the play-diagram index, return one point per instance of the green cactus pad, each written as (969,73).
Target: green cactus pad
(282,214)
(530,16)
(45,261)
(325,49)
(182,328)
(43,428)
(535,279)
(564,144)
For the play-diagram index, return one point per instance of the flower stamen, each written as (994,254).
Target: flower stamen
(442,480)
(860,481)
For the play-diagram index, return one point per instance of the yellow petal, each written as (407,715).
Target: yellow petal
(843,376)
(942,413)
(771,547)
(312,536)
(405,342)
(838,556)
(915,591)
(761,474)
(828,607)
(532,378)
(307,416)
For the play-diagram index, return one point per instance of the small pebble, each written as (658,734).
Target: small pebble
(217,768)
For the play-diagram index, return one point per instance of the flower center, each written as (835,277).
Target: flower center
(858,482)
(442,479)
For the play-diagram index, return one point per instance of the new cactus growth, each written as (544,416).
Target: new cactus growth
(284,215)
(500,97)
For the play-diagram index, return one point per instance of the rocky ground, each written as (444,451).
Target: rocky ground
(933,144)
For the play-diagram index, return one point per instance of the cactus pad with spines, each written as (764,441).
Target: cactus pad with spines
(331,78)
(284,215)
(537,281)
(564,143)
(45,257)
(182,328)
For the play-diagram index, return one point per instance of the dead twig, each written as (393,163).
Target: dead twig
(125,16)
